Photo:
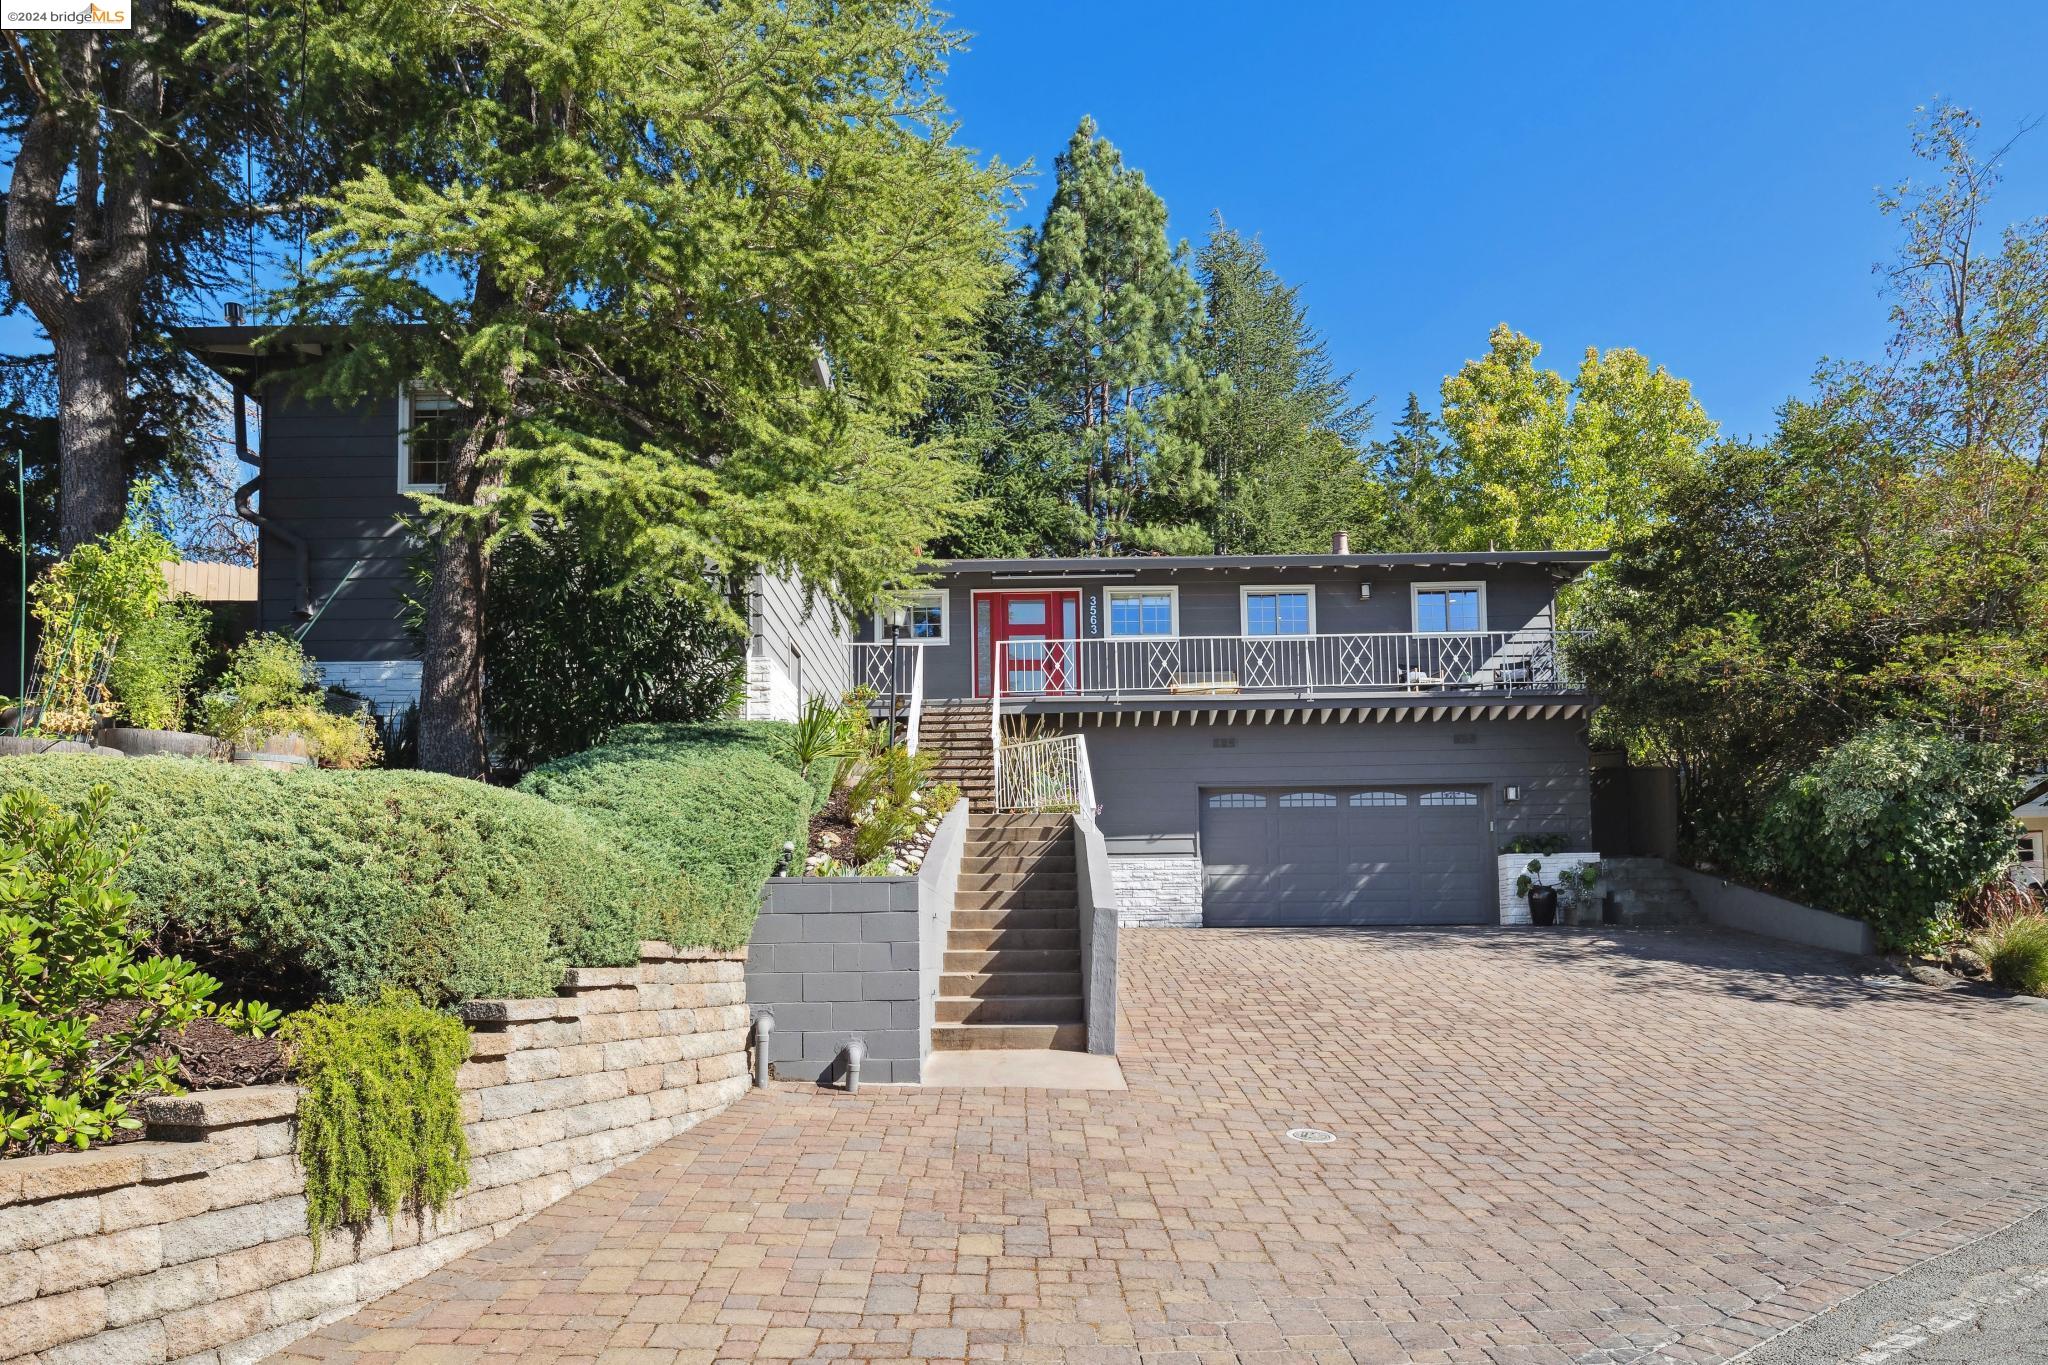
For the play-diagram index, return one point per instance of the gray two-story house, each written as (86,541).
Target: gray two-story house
(1269,739)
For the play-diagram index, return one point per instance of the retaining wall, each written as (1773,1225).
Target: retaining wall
(192,1245)
(1734,906)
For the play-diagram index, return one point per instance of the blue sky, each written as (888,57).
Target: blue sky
(1693,180)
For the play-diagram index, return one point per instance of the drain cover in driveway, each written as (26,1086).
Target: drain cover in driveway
(1309,1135)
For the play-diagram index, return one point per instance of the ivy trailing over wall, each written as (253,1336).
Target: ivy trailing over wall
(380,1121)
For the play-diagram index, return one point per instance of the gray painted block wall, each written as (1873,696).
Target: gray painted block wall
(833,957)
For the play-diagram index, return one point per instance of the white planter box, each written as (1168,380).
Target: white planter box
(1513,908)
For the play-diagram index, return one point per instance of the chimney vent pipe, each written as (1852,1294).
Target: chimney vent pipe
(1340,543)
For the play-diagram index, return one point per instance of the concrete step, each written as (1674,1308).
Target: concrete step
(1057,860)
(961,985)
(986,843)
(1061,917)
(1002,940)
(1009,1009)
(1038,879)
(1013,1037)
(983,962)
(1035,823)
(1014,899)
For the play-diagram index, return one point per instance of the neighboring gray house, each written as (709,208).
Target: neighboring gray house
(1274,739)
(332,556)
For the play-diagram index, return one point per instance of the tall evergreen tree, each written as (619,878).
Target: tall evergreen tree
(685,269)
(1412,464)
(1281,417)
(1117,310)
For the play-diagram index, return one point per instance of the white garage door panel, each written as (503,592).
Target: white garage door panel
(1345,855)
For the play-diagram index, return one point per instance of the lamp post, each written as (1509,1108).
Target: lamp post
(897,616)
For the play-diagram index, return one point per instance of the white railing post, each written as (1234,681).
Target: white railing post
(916,699)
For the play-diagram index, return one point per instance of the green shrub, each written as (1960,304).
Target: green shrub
(87,601)
(156,663)
(69,946)
(1896,826)
(714,803)
(334,885)
(1544,844)
(270,687)
(2017,952)
(380,1122)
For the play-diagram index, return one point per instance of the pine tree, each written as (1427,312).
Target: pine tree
(1411,465)
(1117,310)
(688,270)
(1279,406)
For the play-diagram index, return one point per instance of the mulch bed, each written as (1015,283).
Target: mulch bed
(209,1056)
(835,817)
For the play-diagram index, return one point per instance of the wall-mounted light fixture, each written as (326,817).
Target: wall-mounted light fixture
(1511,793)
(1365,592)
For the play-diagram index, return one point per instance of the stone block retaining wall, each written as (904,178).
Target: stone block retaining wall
(192,1245)
(1160,892)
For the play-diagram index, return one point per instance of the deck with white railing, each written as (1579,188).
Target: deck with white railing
(1522,662)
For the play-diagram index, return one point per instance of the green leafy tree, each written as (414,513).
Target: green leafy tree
(1283,436)
(687,269)
(1542,462)
(1413,465)
(69,947)
(576,645)
(1117,310)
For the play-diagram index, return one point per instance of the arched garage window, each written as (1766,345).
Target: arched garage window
(1237,801)
(1299,799)
(1378,799)
(1450,799)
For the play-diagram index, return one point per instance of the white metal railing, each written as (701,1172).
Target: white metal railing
(916,703)
(1508,661)
(1046,774)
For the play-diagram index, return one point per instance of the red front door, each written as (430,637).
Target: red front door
(1023,635)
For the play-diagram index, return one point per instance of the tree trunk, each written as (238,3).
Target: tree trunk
(92,396)
(452,668)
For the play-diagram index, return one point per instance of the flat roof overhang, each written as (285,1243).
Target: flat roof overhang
(1130,566)
(248,354)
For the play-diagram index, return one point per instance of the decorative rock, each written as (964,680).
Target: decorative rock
(1926,975)
(1968,963)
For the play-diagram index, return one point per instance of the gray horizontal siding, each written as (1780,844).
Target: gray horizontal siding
(1516,597)
(1148,779)
(803,642)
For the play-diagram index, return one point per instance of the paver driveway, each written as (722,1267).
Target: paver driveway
(1647,1145)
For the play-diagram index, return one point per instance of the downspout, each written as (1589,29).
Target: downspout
(247,512)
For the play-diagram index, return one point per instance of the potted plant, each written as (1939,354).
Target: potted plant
(269,708)
(1542,896)
(150,677)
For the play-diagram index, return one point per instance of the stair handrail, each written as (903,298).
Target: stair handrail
(916,702)
(1045,774)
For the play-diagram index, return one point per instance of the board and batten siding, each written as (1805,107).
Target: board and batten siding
(330,474)
(796,649)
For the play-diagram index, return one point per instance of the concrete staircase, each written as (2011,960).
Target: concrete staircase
(1012,974)
(958,732)
(1648,891)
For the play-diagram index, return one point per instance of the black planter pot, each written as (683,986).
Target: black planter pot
(1543,905)
(1610,909)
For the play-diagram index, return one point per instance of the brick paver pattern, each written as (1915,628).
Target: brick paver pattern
(1644,1145)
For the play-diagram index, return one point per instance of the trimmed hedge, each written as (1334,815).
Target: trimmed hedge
(335,884)
(711,805)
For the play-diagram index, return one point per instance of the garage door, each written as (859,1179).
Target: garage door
(1346,855)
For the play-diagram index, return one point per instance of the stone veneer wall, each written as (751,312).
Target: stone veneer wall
(1510,867)
(1158,890)
(192,1245)
(391,684)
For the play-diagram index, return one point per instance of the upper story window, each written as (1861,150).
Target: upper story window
(428,425)
(2031,848)
(924,618)
(1143,611)
(1279,611)
(1450,608)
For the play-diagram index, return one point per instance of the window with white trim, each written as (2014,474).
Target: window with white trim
(1279,611)
(924,618)
(2031,849)
(1450,608)
(428,426)
(1237,801)
(1143,611)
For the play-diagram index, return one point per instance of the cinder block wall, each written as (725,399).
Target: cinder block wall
(838,957)
(193,1243)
